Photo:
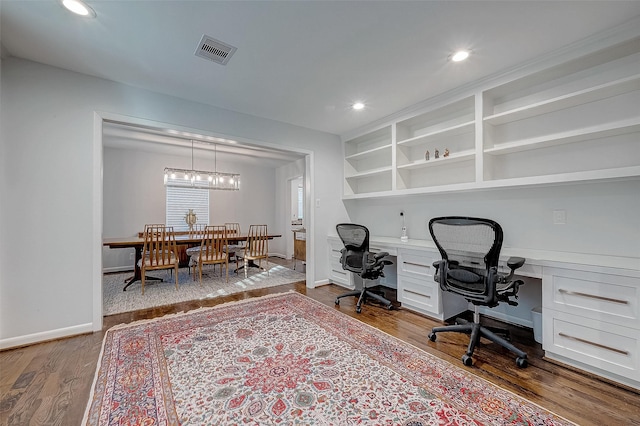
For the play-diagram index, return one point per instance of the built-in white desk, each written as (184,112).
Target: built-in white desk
(590,303)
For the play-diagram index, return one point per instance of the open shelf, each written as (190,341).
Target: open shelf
(442,161)
(579,97)
(588,133)
(572,121)
(458,129)
(370,153)
(370,173)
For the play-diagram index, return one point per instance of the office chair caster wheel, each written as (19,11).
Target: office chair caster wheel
(432,336)
(358,309)
(389,307)
(337,301)
(521,362)
(467,360)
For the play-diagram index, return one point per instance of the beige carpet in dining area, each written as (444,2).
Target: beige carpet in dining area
(156,293)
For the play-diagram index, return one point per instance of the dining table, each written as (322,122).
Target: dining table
(137,243)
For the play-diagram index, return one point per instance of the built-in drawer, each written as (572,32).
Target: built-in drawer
(604,297)
(419,294)
(608,347)
(416,263)
(337,275)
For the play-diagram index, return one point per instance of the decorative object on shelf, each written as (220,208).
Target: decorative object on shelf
(404,237)
(446,152)
(192,178)
(190,219)
(437,154)
(426,155)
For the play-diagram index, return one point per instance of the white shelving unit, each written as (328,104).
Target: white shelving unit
(368,162)
(570,122)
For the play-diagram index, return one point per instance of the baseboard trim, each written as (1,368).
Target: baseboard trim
(321,283)
(29,339)
(116,269)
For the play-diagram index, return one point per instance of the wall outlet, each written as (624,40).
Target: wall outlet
(559,217)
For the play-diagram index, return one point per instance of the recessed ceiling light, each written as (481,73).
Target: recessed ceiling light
(460,55)
(357,106)
(79,8)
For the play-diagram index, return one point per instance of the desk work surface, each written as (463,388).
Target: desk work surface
(536,258)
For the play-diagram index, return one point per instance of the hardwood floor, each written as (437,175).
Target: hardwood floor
(49,383)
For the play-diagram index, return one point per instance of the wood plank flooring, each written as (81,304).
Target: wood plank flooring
(49,383)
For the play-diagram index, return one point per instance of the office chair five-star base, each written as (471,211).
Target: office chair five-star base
(363,295)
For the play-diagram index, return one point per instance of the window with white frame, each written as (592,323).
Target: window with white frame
(300,202)
(180,200)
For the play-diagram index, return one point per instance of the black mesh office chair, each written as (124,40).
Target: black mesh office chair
(470,248)
(357,258)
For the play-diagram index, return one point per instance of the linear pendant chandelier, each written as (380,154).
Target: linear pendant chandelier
(201,179)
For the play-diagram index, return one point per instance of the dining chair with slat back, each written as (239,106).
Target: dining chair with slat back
(195,232)
(159,251)
(233,230)
(256,248)
(213,249)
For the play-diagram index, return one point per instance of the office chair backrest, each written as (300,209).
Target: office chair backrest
(470,248)
(462,238)
(356,242)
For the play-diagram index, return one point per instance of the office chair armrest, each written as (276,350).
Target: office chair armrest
(380,255)
(515,262)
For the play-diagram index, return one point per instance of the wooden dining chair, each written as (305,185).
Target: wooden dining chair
(196,231)
(256,247)
(213,249)
(233,230)
(159,251)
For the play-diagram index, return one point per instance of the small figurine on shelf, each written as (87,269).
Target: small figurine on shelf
(426,155)
(446,152)
(437,154)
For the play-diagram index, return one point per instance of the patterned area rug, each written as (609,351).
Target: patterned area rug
(286,359)
(115,301)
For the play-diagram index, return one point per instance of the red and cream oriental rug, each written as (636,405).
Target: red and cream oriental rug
(286,359)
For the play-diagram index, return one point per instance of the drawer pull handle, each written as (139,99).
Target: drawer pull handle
(416,264)
(419,294)
(593,296)
(609,348)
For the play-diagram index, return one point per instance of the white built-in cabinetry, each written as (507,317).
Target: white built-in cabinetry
(417,289)
(591,319)
(590,303)
(577,121)
(338,275)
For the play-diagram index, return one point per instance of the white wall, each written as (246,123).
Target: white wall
(134,194)
(602,218)
(48,209)
(283,209)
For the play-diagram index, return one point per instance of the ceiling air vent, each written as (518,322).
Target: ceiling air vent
(215,50)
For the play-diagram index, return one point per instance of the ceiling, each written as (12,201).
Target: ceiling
(302,62)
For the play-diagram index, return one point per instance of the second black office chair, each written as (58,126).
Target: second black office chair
(357,258)
(470,248)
